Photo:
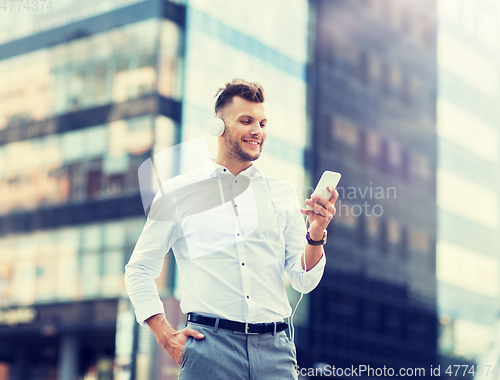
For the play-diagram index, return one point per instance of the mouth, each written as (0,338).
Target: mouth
(252,143)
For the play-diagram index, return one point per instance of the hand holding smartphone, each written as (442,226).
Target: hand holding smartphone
(327,179)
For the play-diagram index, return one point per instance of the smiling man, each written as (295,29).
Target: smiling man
(244,116)
(232,257)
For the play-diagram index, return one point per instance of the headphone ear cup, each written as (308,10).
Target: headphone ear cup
(216,126)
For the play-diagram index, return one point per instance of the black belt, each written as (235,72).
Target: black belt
(247,328)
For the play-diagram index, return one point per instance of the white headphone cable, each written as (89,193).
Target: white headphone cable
(292,329)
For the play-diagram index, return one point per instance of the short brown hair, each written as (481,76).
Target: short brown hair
(251,91)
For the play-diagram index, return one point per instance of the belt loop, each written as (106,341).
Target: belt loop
(216,327)
(274,332)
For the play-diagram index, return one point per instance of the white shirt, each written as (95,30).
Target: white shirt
(232,242)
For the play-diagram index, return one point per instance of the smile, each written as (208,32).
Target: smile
(251,142)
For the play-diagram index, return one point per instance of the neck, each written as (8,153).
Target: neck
(235,166)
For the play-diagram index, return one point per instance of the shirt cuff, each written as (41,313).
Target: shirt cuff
(146,311)
(320,265)
(305,281)
(318,268)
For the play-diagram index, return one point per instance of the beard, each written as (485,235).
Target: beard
(235,149)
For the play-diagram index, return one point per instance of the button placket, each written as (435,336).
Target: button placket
(245,275)
(241,247)
(238,225)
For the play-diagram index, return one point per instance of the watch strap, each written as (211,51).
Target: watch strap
(316,242)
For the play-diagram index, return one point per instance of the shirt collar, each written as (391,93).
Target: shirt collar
(213,169)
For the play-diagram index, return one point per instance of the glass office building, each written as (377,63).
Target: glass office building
(373,102)
(88,91)
(468,197)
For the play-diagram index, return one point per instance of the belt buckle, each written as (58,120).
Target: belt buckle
(246,330)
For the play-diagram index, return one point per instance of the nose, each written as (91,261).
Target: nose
(256,129)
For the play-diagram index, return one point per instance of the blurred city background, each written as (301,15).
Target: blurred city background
(400,96)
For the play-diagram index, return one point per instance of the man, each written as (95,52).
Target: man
(231,256)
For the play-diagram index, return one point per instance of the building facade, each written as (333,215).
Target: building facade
(88,92)
(468,125)
(372,79)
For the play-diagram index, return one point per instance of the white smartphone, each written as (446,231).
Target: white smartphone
(327,179)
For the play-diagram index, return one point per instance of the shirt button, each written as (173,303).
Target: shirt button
(224,169)
(235,181)
(248,297)
(243,264)
(235,205)
(238,234)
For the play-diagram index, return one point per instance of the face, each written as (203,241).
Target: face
(245,131)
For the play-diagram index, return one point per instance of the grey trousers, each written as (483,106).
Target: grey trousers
(228,355)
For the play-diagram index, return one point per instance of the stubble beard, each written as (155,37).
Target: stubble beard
(235,149)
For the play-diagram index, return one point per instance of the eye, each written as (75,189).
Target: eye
(263,125)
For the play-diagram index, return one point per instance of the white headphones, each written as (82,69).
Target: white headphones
(216,125)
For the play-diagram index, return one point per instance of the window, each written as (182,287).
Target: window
(76,89)
(418,241)
(467,269)
(374,68)
(95,140)
(73,147)
(373,147)
(364,73)
(66,264)
(394,232)
(474,68)
(394,155)
(91,237)
(345,133)
(468,131)
(386,80)
(114,234)
(384,236)
(419,166)
(406,94)
(100,90)
(471,339)
(347,214)
(403,247)
(371,230)
(93,184)
(113,269)
(82,73)
(405,166)
(90,274)
(482,202)
(395,77)
(46,273)
(6,270)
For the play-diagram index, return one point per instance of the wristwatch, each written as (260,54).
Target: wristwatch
(316,242)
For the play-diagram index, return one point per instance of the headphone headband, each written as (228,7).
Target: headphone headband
(216,99)
(216,125)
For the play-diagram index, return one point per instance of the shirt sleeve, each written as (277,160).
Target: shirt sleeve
(146,263)
(295,242)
